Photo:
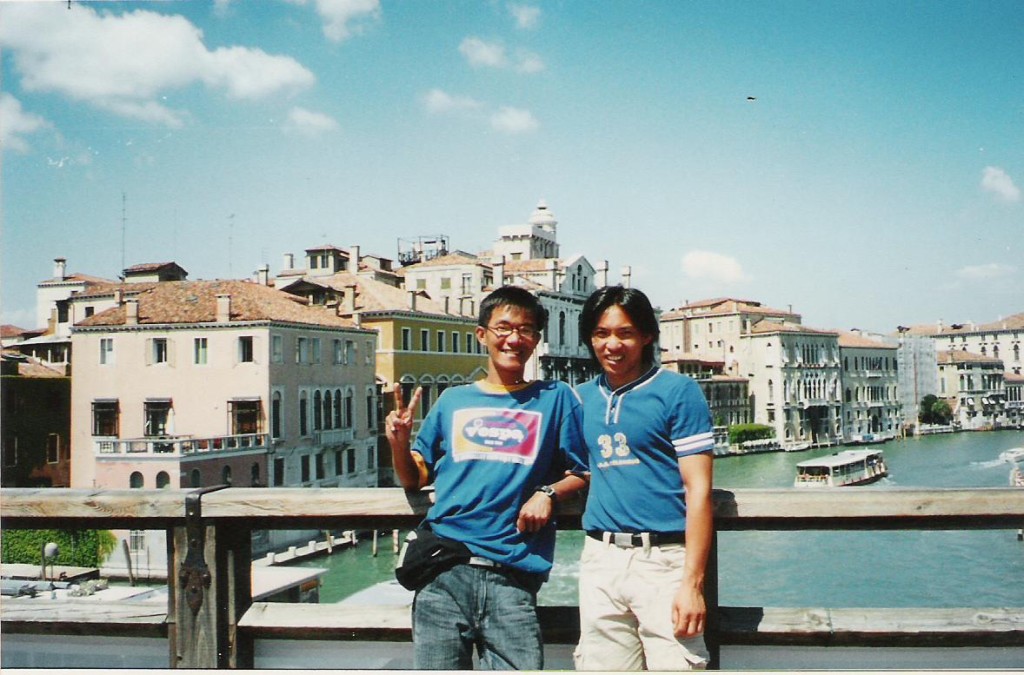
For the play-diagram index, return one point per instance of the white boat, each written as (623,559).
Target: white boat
(849,467)
(1013,455)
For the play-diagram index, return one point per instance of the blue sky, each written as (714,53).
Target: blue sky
(860,161)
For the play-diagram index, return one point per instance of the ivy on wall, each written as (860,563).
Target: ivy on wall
(82,548)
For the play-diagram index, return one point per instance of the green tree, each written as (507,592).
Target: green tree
(739,433)
(925,413)
(942,412)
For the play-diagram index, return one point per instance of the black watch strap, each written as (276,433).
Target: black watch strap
(549,491)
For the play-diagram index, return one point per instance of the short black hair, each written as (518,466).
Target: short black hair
(633,302)
(513,296)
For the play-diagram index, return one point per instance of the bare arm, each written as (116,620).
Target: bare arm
(689,610)
(537,510)
(398,429)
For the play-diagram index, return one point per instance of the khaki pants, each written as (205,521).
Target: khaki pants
(626,599)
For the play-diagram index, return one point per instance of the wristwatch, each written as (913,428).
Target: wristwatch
(549,491)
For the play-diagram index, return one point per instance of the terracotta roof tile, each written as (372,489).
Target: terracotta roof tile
(187,302)
(961,356)
(848,339)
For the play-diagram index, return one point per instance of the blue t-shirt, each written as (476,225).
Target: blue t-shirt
(635,437)
(486,451)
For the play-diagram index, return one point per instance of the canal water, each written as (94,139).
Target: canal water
(822,569)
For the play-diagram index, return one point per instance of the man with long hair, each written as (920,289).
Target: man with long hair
(648,518)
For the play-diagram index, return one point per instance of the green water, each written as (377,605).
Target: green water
(836,569)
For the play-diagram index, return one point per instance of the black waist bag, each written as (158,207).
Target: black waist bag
(424,555)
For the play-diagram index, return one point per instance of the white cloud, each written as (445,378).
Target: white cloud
(125,63)
(999,183)
(483,54)
(438,101)
(985,272)
(514,120)
(15,123)
(308,123)
(529,63)
(341,17)
(526,16)
(709,266)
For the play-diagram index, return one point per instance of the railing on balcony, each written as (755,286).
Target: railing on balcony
(211,620)
(333,436)
(179,445)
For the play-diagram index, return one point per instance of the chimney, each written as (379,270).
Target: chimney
(289,262)
(499,271)
(412,301)
(601,279)
(223,308)
(350,298)
(118,296)
(353,259)
(627,272)
(60,267)
(263,275)
(938,325)
(131,312)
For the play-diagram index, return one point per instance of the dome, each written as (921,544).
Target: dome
(542,216)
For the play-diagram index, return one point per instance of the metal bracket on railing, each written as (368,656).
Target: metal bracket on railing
(194,575)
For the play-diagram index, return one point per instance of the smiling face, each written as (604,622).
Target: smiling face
(619,346)
(508,354)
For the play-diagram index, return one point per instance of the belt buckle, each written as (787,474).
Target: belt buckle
(623,539)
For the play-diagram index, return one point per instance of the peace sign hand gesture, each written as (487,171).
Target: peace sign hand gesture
(398,423)
(398,429)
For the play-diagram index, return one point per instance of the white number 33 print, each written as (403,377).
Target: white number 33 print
(616,445)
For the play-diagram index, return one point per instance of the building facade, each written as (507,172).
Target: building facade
(1000,339)
(974,386)
(36,429)
(870,382)
(795,377)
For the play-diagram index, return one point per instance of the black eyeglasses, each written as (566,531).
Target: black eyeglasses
(503,330)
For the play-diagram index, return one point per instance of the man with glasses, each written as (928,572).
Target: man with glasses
(648,516)
(500,453)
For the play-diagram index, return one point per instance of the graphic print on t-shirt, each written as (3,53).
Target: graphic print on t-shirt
(496,434)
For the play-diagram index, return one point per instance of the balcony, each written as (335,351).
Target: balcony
(334,437)
(179,446)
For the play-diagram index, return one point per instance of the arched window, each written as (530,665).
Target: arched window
(318,419)
(561,328)
(162,480)
(337,409)
(195,479)
(254,476)
(136,480)
(327,409)
(225,475)
(275,415)
(303,414)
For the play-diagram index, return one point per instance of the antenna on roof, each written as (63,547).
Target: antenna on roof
(124,218)
(231,227)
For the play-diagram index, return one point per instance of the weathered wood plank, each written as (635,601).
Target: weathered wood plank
(873,627)
(69,508)
(59,617)
(742,509)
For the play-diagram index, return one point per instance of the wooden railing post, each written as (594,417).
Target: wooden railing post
(211,570)
(712,620)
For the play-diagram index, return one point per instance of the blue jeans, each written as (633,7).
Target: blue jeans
(467,607)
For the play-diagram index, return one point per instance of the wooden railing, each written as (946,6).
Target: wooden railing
(211,620)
